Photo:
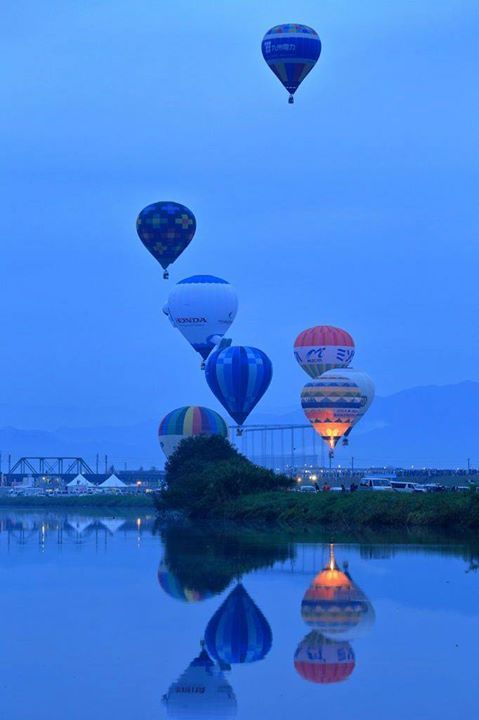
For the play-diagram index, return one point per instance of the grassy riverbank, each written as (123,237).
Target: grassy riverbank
(77,501)
(361,509)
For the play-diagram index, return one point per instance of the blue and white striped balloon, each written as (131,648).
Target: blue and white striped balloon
(238,632)
(202,308)
(239,377)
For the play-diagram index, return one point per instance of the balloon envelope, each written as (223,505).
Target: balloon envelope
(333,404)
(322,348)
(202,691)
(362,380)
(190,421)
(324,661)
(238,632)
(202,307)
(172,587)
(291,51)
(239,377)
(166,229)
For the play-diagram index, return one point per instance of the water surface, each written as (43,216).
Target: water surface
(107,616)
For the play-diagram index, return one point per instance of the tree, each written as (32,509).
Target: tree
(205,472)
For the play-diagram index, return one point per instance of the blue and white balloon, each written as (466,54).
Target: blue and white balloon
(202,308)
(239,377)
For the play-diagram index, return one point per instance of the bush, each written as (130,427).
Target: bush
(206,472)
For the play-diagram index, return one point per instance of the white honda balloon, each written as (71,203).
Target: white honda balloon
(202,307)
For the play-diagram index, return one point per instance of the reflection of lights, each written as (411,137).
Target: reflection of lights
(298,479)
(332,559)
(138,483)
(314,478)
(138,523)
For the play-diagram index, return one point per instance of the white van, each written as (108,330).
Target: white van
(406,486)
(375,482)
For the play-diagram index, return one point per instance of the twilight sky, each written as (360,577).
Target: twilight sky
(355,207)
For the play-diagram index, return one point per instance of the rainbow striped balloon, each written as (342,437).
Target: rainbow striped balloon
(188,422)
(172,586)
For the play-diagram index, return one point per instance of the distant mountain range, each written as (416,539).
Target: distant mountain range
(432,426)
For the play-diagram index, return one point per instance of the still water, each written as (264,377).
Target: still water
(123,617)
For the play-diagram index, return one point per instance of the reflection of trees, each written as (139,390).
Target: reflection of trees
(206,559)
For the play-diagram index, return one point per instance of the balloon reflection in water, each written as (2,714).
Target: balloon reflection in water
(335,605)
(172,587)
(324,661)
(202,691)
(238,632)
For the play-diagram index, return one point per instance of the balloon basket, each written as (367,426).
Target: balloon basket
(203,365)
(291,100)
(166,275)
(239,432)
(345,442)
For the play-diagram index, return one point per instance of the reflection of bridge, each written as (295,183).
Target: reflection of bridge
(23,529)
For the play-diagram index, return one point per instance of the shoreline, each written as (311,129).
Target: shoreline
(349,511)
(77,501)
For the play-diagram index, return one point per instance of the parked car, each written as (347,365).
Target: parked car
(433,487)
(375,482)
(307,489)
(406,486)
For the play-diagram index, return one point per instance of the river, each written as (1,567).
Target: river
(126,617)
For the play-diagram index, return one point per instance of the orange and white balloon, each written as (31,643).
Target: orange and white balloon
(323,348)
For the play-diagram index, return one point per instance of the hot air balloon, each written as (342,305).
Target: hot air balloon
(238,632)
(166,229)
(202,307)
(335,605)
(202,691)
(324,661)
(362,380)
(322,348)
(172,587)
(239,377)
(187,422)
(334,403)
(291,52)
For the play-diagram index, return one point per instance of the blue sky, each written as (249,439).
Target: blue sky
(355,207)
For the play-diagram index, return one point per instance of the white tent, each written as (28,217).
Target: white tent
(113,482)
(79,482)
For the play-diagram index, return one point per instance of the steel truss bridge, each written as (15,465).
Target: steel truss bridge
(49,466)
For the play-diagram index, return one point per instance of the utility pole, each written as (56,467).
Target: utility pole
(106,464)
(468,465)
(97,462)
